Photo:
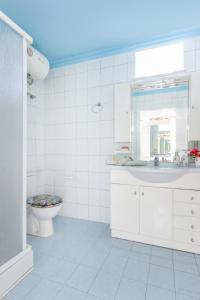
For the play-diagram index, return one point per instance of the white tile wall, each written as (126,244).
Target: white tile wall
(77,141)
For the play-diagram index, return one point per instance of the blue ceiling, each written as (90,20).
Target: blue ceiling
(74,30)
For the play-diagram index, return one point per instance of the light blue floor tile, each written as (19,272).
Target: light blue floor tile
(74,253)
(82,278)
(162,252)
(136,270)
(102,241)
(23,288)
(114,264)
(184,257)
(140,256)
(184,297)
(81,256)
(101,246)
(44,265)
(58,270)
(131,290)
(141,248)
(186,267)
(105,286)
(161,277)
(120,252)
(94,258)
(121,243)
(62,271)
(187,284)
(90,297)
(45,290)
(68,293)
(197,256)
(155,293)
(160,261)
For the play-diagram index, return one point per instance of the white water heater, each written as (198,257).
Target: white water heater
(37,64)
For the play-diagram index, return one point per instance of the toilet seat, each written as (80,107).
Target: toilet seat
(44,201)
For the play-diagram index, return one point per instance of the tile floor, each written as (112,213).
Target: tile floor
(81,262)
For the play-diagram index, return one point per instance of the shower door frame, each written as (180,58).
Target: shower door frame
(16,268)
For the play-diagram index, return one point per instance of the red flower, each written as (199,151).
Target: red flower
(194,152)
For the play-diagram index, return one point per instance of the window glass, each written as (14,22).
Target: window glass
(159,60)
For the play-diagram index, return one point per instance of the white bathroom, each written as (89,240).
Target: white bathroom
(100,157)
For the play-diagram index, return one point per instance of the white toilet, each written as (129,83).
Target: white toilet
(41,210)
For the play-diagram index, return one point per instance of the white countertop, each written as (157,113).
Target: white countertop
(157,174)
(154,169)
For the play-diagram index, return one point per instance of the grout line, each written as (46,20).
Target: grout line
(197,265)
(174,274)
(98,273)
(147,282)
(121,277)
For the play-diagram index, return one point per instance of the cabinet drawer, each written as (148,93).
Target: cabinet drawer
(187,237)
(188,196)
(184,209)
(187,223)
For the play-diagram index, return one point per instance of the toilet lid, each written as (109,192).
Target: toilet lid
(44,200)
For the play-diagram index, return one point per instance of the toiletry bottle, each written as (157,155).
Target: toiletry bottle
(176,159)
(184,159)
(156,161)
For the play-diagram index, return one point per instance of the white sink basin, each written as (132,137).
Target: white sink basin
(157,175)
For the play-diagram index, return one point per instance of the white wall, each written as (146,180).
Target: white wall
(77,141)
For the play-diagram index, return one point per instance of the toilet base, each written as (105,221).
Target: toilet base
(45,228)
(40,228)
(40,220)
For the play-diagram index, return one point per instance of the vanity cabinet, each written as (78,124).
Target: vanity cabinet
(122,120)
(156,212)
(194,111)
(165,214)
(125,208)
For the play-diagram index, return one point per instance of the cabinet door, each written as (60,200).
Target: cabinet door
(125,208)
(194,112)
(122,113)
(156,212)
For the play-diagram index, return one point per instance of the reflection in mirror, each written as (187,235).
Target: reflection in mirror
(159,119)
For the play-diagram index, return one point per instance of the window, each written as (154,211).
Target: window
(159,60)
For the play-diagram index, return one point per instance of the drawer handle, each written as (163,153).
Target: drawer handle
(135,193)
(192,226)
(142,194)
(192,240)
(192,212)
(192,198)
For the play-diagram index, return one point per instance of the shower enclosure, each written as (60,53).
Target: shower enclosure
(13,246)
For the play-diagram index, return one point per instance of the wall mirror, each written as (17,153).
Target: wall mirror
(159,118)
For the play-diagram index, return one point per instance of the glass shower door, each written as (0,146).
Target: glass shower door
(11,143)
